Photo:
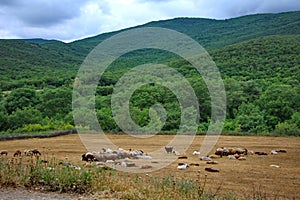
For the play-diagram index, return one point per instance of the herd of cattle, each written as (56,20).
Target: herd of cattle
(113,156)
(26,152)
(122,156)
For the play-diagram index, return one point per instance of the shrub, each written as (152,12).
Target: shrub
(285,128)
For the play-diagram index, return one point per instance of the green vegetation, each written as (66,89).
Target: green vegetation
(101,181)
(258,57)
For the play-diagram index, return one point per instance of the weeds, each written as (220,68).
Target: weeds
(52,176)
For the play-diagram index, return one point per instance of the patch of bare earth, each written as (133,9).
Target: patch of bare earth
(243,178)
(23,194)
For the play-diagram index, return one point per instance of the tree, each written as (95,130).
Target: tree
(20,98)
(277,102)
(3,121)
(251,119)
(56,102)
(235,96)
(106,119)
(21,117)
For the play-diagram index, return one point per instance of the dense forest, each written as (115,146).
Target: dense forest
(258,57)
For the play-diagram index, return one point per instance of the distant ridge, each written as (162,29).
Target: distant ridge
(213,33)
(39,40)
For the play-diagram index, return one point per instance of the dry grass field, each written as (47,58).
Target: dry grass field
(243,178)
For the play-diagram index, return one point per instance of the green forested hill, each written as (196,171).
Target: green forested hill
(214,34)
(271,57)
(43,60)
(258,57)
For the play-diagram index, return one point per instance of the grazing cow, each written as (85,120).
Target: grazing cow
(274,152)
(88,157)
(243,151)
(28,152)
(275,166)
(205,158)
(237,156)
(176,153)
(261,153)
(223,151)
(211,169)
(123,154)
(107,150)
(231,157)
(182,157)
(212,162)
(17,153)
(182,166)
(250,152)
(282,151)
(130,164)
(135,153)
(214,156)
(169,149)
(146,167)
(36,152)
(3,152)
(145,157)
(109,156)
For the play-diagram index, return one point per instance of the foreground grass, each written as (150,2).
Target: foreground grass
(58,176)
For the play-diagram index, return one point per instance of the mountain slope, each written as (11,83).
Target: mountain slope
(214,34)
(258,57)
(56,63)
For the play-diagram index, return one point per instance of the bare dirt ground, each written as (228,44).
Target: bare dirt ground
(22,194)
(243,178)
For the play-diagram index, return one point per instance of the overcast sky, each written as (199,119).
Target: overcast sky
(68,20)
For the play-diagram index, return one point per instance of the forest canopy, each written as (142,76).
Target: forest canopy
(258,57)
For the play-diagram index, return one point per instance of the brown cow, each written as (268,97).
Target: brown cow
(3,152)
(36,152)
(17,153)
(211,169)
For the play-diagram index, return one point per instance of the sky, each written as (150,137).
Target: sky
(69,20)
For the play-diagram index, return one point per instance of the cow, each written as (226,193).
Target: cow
(169,149)
(224,151)
(36,152)
(88,157)
(182,166)
(261,153)
(17,153)
(3,152)
(211,169)
(28,152)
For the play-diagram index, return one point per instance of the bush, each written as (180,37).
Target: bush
(285,128)
(20,118)
(34,128)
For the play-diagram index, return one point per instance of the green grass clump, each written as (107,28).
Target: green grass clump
(102,182)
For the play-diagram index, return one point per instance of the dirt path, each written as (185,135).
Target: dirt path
(23,194)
